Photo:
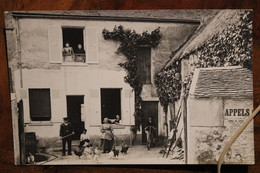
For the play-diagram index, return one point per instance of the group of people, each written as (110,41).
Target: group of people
(106,139)
(70,55)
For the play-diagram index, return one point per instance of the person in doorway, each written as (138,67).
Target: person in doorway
(107,137)
(66,132)
(68,53)
(150,124)
(84,138)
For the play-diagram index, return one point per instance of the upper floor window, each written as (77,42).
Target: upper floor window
(144,64)
(73,45)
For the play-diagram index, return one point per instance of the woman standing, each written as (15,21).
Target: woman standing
(107,137)
(68,53)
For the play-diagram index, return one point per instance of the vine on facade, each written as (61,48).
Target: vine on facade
(130,41)
(168,84)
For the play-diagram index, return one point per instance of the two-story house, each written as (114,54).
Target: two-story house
(88,86)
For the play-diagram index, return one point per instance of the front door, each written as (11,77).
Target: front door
(74,114)
(150,108)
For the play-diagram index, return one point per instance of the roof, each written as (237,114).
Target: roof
(211,26)
(183,16)
(231,82)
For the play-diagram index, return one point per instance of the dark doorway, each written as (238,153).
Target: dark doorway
(110,103)
(150,108)
(74,114)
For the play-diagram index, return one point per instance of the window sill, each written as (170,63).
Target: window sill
(74,64)
(114,126)
(118,126)
(40,123)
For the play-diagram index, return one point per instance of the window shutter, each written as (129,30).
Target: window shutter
(91,45)
(55,44)
(128,107)
(83,115)
(40,104)
(144,64)
(94,109)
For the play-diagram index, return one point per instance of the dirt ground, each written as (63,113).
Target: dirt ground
(138,154)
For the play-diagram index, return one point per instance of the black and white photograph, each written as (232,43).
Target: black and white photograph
(130,86)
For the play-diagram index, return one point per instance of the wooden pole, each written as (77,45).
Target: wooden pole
(21,133)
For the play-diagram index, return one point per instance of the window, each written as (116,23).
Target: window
(110,103)
(73,45)
(40,104)
(144,64)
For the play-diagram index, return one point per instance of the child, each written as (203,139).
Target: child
(84,138)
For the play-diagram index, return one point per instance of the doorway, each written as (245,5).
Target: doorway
(110,103)
(150,108)
(74,114)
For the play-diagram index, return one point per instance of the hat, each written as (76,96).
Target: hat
(65,118)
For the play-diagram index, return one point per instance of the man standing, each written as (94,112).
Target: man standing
(66,133)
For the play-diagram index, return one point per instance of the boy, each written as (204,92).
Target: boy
(84,138)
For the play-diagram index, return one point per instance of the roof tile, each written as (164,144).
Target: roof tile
(224,82)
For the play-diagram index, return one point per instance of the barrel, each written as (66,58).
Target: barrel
(30,142)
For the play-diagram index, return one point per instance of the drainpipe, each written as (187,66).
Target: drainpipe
(19,50)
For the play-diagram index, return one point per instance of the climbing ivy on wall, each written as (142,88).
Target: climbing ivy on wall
(168,84)
(231,47)
(130,41)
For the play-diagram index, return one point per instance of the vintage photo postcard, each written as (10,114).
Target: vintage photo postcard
(130,87)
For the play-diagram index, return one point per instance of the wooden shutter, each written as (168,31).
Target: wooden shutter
(40,104)
(91,38)
(144,64)
(83,114)
(94,108)
(128,107)
(55,44)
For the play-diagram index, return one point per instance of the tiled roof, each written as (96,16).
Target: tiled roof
(196,15)
(224,82)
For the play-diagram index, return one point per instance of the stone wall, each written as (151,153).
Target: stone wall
(38,72)
(206,142)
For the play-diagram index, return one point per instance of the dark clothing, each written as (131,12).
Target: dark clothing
(108,144)
(117,121)
(150,124)
(64,131)
(79,51)
(152,129)
(64,141)
(83,142)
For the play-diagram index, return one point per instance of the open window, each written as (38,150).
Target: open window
(73,44)
(110,103)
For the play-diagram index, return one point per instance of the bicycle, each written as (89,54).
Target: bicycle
(149,130)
